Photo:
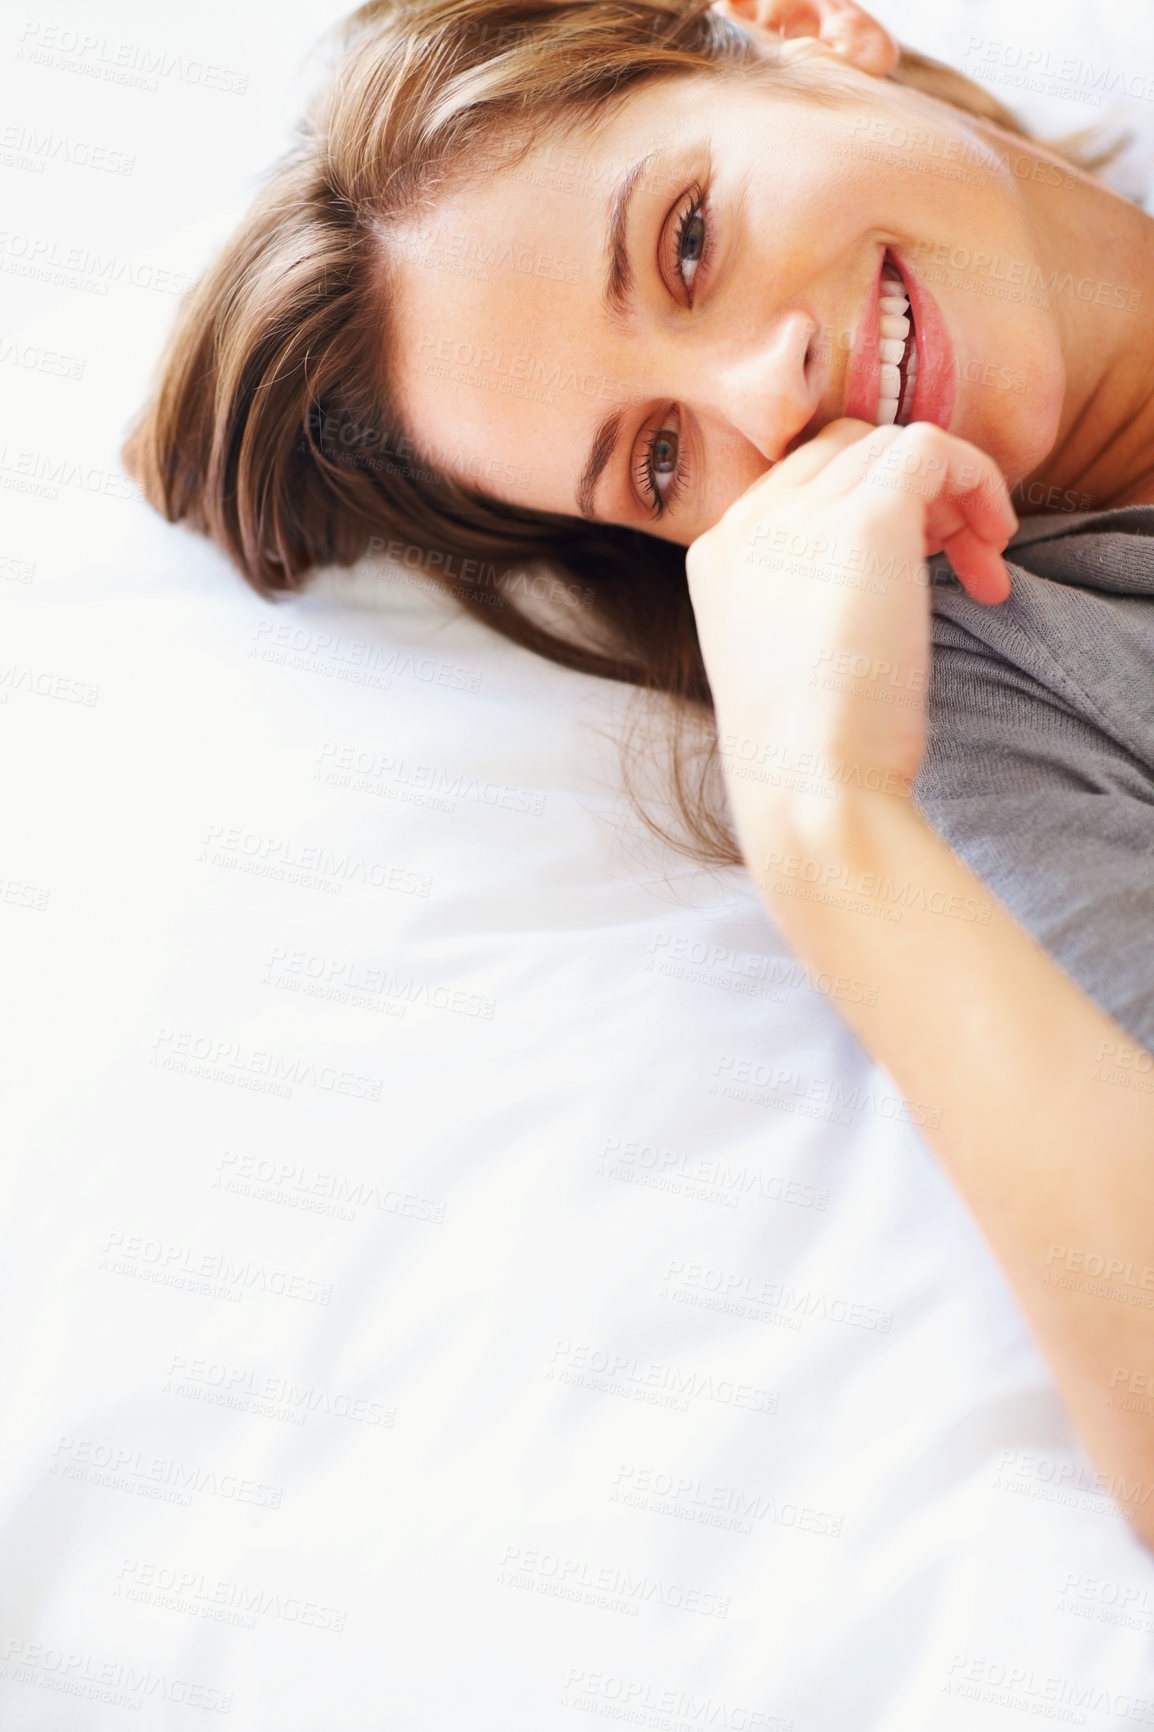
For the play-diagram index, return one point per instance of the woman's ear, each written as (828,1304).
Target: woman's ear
(841,26)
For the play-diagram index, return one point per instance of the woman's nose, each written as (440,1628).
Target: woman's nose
(769,388)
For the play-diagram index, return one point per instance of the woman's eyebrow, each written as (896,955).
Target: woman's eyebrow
(619,281)
(600,452)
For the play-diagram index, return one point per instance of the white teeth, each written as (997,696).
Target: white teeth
(894,324)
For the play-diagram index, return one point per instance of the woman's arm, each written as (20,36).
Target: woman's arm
(980,1027)
(973,1019)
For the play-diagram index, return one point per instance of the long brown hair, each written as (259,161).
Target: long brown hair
(271,430)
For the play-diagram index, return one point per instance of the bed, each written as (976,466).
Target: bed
(457,1271)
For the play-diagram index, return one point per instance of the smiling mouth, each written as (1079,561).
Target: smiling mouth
(897,349)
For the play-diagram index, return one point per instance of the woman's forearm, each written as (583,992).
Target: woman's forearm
(1008,1058)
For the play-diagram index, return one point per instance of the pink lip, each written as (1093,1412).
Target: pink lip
(936,385)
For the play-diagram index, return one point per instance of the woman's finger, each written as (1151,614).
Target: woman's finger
(979,565)
(934,465)
(925,463)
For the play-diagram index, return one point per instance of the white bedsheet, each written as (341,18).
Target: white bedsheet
(455,1272)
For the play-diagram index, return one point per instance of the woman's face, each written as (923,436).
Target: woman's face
(633,323)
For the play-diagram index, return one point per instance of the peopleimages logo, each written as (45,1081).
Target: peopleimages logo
(1042,1693)
(122,62)
(128,1249)
(220,1598)
(116,1683)
(1029,67)
(652,1381)
(311,865)
(25,148)
(1026,274)
(523,368)
(610,1587)
(123,1468)
(648,1703)
(268,1072)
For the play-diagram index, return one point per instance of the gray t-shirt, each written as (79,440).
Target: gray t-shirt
(1039,769)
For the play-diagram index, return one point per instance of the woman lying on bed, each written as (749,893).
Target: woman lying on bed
(600,281)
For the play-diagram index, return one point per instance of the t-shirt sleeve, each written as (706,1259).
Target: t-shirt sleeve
(1052,811)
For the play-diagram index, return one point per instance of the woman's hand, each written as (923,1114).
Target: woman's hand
(812,605)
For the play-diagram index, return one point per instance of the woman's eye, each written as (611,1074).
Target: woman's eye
(690,246)
(660,472)
(690,243)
